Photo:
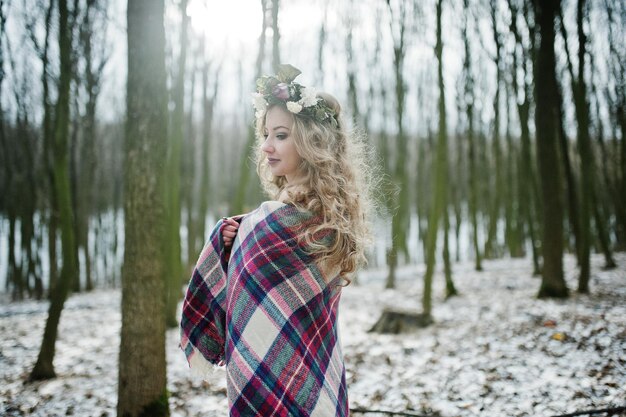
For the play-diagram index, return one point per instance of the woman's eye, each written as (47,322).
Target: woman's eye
(281,136)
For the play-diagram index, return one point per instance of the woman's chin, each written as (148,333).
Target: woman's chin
(276,172)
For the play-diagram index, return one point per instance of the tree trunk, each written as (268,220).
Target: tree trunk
(208,104)
(440,178)
(188,179)
(491,249)
(352,74)
(77,206)
(27,206)
(570,179)
(471,145)
(53,226)
(43,368)
(447,267)
(237,205)
(15,277)
(399,221)
(617,109)
(546,115)
(586,155)
(537,207)
(601,203)
(88,161)
(421,190)
(48,156)
(527,196)
(142,377)
(321,46)
(573,201)
(603,239)
(275,36)
(514,238)
(174,268)
(397,322)
(621,213)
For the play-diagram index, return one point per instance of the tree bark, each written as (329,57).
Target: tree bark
(189,175)
(352,74)
(440,178)
(447,266)
(546,115)
(514,238)
(88,163)
(142,376)
(48,156)
(399,222)
(471,145)
(601,201)
(43,368)
(397,322)
(617,105)
(208,105)
(275,35)
(586,155)
(528,196)
(174,268)
(491,249)
(573,196)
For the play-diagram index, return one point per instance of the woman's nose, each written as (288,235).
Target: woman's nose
(267,146)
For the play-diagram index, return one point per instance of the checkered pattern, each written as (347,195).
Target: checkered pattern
(265,311)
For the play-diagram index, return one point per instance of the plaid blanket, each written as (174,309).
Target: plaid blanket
(266,312)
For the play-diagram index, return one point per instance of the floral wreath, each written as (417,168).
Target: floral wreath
(300,100)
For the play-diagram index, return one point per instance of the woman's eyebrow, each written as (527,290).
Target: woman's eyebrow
(278,127)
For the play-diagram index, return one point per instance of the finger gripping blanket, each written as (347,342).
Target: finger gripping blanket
(266,311)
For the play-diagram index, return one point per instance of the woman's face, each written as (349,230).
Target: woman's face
(279,146)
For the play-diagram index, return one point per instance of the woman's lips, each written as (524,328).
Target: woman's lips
(272,161)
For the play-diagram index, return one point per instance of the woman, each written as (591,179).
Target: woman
(264,294)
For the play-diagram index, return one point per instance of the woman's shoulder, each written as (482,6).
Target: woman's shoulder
(272,204)
(277,212)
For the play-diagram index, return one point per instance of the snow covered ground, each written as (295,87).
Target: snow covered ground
(494,351)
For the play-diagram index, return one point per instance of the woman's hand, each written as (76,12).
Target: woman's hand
(229,231)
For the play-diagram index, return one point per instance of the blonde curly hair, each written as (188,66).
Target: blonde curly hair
(334,185)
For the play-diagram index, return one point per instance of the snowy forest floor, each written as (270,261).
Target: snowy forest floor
(495,350)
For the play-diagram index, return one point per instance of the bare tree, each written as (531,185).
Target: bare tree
(585,150)
(399,223)
(491,249)
(602,202)
(174,269)
(468,94)
(528,194)
(209,95)
(142,376)
(188,169)
(352,72)
(546,116)
(275,35)
(43,368)
(439,206)
(616,98)
(93,52)
(244,169)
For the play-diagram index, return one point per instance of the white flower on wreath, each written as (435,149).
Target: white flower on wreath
(259,103)
(308,97)
(294,107)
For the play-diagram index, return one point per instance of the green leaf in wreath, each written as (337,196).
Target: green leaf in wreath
(287,73)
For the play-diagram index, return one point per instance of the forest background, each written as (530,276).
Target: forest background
(126,130)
